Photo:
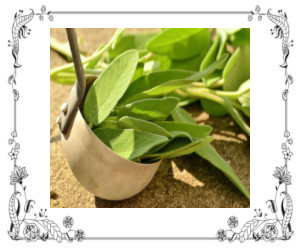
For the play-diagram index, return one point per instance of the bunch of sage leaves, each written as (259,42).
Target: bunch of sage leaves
(144,80)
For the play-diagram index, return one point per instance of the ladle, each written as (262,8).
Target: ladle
(99,169)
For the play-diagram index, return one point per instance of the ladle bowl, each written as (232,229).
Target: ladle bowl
(99,169)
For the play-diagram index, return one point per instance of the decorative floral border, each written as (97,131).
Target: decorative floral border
(260,227)
(37,226)
(278,226)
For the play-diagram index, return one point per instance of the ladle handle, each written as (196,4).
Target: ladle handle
(69,108)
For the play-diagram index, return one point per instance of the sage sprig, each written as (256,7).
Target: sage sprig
(144,80)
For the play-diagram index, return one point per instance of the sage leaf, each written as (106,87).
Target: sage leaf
(177,137)
(131,41)
(138,72)
(191,64)
(245,103)
(240,37)
(210,154)
(109,122)
(180,146)
(162,63)
(209,58)
(180,115)
(129,143)
(222,45)
(194,130)
(172,85)
(237,69)
(180,43)
(229,31)
(213,108)
(109,87)
(244,87)
(152,80)
(142,125)
(94,62)
(117,37)
(154,109)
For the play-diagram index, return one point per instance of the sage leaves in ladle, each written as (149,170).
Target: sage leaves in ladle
(144,79)
(109,87)
(129,143)
(154,109)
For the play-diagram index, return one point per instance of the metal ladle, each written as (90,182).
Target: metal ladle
(99,169)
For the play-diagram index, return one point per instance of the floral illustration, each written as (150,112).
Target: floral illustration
(221,235)
(38,226)
(79,235)
(269,232)
(13,154)
(68,222)
(233,222)
(287,154)
(31,232)
(18,176)
(257,12)
(279,225)
(282,175)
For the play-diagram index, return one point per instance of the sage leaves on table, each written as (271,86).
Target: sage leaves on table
(180,43)
(130,41)
(144,79)
(210,154)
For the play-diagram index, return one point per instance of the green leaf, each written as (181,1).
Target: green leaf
(152,80)
(237,69)
(64,48)
(109,87)
(213,108)
(222,45)
(229,31)
(180,146)
(172,85)
(109,122)
(181,134)
(138,72)
(162,63)
(150,109)
(142,125)
(191,64)
(180,115)
(151,66)
(211,55)
(210,154)
(245,103)
(209,58)
(186,101)
(180,43)
(194,130)
(178,137)
(129,143)
(245,87)
(117,37)
(131,41)
(93,63)
(241,37)
(245,99)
